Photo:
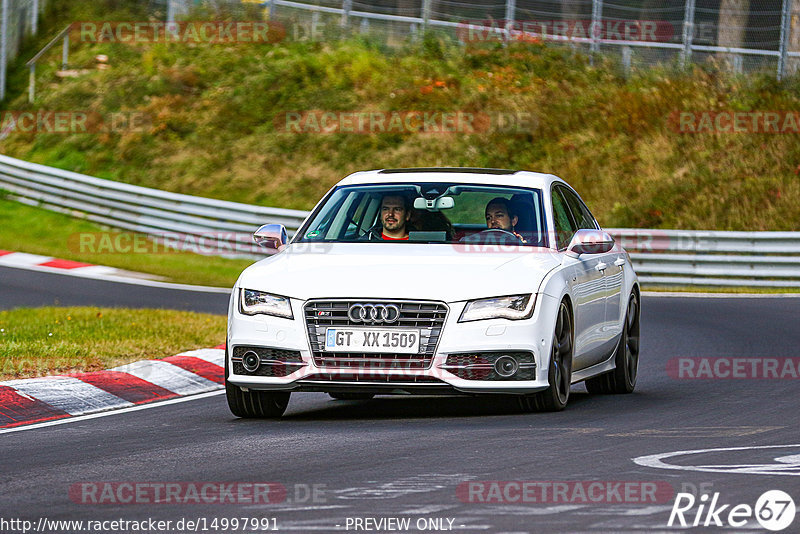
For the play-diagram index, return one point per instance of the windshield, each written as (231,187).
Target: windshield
(429,213)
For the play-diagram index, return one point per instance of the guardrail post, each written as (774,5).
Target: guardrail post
(688,32)
(738,63)
(34,17)
(31,82)
(626,59)
(270,9)
(65,52)
(597,16)
(314,34)
(347,6)
(785,31)
(426,14)
(511,8)
(3,49)
(170,11)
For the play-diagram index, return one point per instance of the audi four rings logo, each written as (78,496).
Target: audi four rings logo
(374,313)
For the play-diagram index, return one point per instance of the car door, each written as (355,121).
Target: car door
(612,276)
(586,285)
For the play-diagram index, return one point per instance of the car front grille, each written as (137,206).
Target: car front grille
(370,378)
(428,317)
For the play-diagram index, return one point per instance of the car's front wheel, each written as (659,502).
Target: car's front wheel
(559,374)
(626,358)
(263,404)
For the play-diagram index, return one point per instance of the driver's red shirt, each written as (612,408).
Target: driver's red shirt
(387,238)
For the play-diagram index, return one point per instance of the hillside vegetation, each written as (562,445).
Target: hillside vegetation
(216,125)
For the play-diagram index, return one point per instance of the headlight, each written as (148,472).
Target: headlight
(255,302)
(513,307)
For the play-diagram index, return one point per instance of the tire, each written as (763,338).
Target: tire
(352,396)
(251,404)
(559,375)
(256,404)
(626,358)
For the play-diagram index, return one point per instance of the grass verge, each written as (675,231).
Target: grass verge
(51,340)
(38,231)
(218,123)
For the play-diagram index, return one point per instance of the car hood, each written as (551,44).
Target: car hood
(400,271)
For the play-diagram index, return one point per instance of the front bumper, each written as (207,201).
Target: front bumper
(488,337)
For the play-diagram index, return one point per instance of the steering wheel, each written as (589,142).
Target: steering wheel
(493,236)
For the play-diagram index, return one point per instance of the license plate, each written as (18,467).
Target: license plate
(402,341)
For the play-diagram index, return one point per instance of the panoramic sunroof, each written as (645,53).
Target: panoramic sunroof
(473,170)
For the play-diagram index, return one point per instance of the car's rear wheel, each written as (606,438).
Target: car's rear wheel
(626,358)
(559,374)
(261,404)
(351,396)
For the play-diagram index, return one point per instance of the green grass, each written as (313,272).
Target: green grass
(44,341)
(38,231)
(213,112)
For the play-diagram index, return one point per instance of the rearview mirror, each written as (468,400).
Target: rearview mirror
(271,236)
(434,204)
(590,242)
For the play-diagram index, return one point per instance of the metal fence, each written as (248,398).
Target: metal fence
(744,35)
(17,18)
(661,257)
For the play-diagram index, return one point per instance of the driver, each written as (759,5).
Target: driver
(500,216)
(395,213)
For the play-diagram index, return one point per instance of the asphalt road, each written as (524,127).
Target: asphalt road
(21,287)
(415,458)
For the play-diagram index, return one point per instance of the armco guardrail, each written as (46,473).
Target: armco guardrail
(218,225)
(712,258)
(661,257)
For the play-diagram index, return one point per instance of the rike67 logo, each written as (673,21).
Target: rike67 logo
(774,510)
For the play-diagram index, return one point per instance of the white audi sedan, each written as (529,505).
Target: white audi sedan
(435,281)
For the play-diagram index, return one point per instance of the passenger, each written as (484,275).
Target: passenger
(500,216)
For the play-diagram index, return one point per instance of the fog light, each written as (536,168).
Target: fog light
(506,366)
(251,361)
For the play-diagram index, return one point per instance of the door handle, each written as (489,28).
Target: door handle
(601,266)
(620,262)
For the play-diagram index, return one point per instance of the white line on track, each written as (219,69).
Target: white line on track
(785,466)
(721,295)
(113,412)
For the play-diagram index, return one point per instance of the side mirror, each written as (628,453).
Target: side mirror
(590,242)
(271,236)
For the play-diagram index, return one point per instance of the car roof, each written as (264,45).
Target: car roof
(467,175)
